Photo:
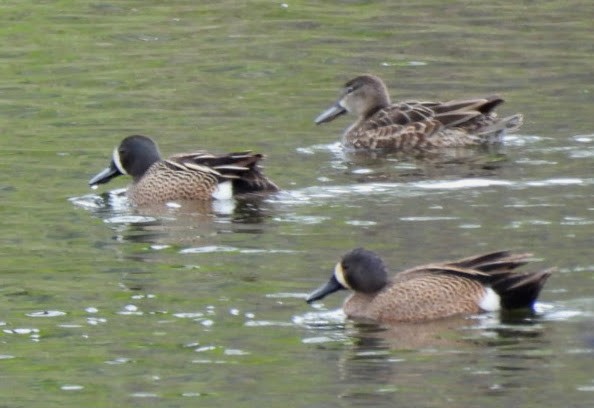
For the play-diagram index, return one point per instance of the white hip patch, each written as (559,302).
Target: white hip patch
(491,301)
(224,191)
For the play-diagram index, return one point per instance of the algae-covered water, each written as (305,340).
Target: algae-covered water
(106,305)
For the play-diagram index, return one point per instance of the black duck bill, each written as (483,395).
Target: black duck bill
(330,287)
(105,175)
(330,114)
(114,169)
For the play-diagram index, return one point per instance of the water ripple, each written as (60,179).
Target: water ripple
(320,318)
(287,295)
(22,330)
(555,182)
(209,249)
(71,387)
(116,199)
(413,189)
(415,219)
(266,323)
(130,219)
(521,140)
(46,313)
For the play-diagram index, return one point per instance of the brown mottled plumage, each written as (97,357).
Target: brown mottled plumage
(183,176)
(472,285)
(412,124)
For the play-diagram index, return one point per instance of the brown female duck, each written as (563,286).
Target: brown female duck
(410,125)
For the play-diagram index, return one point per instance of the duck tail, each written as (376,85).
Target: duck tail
(494,262)
(504,125)
(241,168)
(520,290)
(253,179)
(513,122)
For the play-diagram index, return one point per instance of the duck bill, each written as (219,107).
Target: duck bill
(105,175)
(330,114)
(332,286)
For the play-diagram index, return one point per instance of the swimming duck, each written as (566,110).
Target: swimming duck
(414,125)
(184,176)
(481,283)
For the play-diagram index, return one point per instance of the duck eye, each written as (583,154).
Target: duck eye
(350,89)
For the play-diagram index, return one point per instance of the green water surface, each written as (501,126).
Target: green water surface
(104,305)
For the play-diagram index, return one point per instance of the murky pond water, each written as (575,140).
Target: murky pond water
(107,305)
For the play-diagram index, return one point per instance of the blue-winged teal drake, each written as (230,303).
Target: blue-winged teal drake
(414,125)
(472,285)
(183,176)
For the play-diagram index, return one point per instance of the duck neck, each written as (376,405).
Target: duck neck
(382,101)
(140,167)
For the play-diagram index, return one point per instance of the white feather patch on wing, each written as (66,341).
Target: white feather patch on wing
(224,191)
(203,169)
(175,164)
(242,155)
(491,301)
(203,155)
(231,167)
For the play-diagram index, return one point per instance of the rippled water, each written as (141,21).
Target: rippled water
(186,303)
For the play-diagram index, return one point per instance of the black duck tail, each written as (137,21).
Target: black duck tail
(494,262)
(519,290)
(241,168)
(252,180)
